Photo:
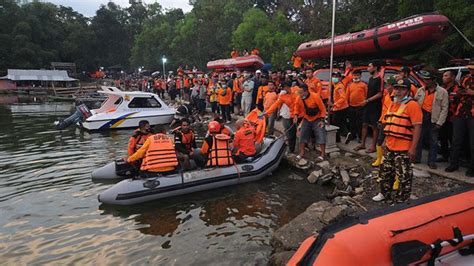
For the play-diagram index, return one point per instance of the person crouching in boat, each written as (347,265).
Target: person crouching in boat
(244,141)
(216,150)
(402,130)
(140,135)
(158,153)
(185,143)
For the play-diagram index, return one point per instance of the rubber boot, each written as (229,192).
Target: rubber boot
(378,161)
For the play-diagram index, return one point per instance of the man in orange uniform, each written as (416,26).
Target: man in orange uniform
(356,96)
(237,90)
(139,137)
(215,149)
(255,51)
(434,102)
(310,107)
(185,142)
(402,132)
(158,153)
(262,90)
(313,83)
(340,105)
(297,60)
(269,99)
(234,53)
(244,141)
(224,97)
(286,104)
(404,74)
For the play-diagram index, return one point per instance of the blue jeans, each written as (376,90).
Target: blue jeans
(429,132)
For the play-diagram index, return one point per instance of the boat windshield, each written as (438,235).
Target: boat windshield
(110,104)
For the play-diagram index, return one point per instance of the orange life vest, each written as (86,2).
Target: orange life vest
(160,153)
(220,153)
(136,141)
(244,140)
(398,123)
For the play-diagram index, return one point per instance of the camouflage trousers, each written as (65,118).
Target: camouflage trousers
(396,165)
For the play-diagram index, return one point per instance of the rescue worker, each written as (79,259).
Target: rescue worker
(446,131)
(340,105)
(310,108)
(237,91)
(402,132)
(356,96)
(372,107)
(386,102)
(139,136)
(297,60)
(158,153)
(185,142)
(224,97)
(216,150)
(244,141)
(262,90)
(234,53)
(313,83)
(434,103)
(285,104)
(212,95)
(247,92)
(223,128)
(255,51)
(463,122)
(404,74)
(270,98)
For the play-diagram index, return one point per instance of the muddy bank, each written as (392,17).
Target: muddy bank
(352,182)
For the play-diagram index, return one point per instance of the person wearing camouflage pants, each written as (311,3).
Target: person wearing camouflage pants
(396,167)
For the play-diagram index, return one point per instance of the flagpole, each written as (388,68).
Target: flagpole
(332,51)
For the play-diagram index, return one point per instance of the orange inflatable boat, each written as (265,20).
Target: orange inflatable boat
(438,229)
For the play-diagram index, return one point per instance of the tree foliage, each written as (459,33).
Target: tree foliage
(35,34)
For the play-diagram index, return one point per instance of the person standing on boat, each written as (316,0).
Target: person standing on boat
(185,142)
(402,131)
(140,135)
(244,141)
(158,153)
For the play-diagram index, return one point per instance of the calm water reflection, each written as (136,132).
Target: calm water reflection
(50,213)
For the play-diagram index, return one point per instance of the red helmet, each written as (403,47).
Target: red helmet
(214,127)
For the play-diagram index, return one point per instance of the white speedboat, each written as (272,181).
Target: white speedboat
(124,109)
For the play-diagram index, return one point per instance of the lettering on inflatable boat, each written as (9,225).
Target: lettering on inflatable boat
(406,23)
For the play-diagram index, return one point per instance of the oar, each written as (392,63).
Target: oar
(407,252)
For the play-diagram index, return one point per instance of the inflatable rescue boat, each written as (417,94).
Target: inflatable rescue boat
(409,34)
(241,62)
(438,229)
(133,191)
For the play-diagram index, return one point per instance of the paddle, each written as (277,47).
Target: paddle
(407,252)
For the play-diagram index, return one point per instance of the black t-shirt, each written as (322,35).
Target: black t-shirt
(373,87)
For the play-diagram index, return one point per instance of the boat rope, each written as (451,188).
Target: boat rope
(462,34)
(283,134)
(399,231)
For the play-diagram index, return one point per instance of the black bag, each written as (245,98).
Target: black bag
(123,168)
(310,111)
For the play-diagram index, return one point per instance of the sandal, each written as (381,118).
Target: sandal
(358,148)
(370,151)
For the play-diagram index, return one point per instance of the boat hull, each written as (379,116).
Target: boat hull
(127,120)
(426,220)
(134,191)
(410,34)
(241,62)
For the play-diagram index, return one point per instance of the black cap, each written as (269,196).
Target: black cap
(426,74)
(403,83)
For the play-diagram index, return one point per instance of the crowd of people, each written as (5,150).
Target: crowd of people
(402,118)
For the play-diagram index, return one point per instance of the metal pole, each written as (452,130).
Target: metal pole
(164,73)
(332,51)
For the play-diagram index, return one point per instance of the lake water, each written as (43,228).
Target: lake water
(50,213)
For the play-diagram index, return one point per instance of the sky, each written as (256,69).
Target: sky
(88,7)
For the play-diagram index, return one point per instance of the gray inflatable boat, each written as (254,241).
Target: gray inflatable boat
(133,191)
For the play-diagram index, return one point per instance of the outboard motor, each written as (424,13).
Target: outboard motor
(81,114)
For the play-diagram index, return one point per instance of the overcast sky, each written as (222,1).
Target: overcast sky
(88,7)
